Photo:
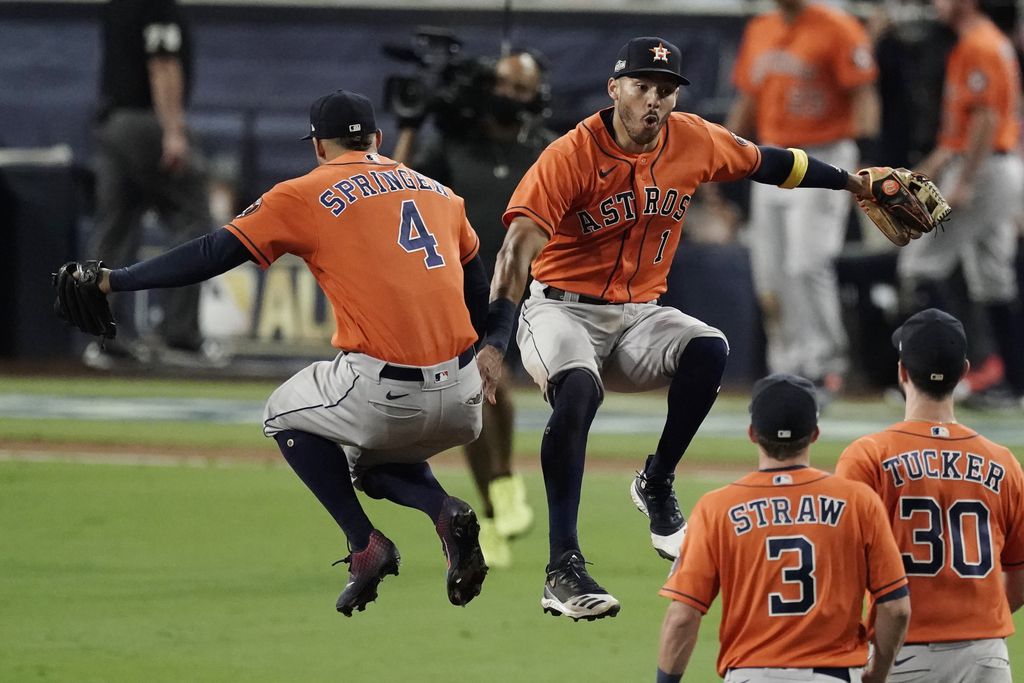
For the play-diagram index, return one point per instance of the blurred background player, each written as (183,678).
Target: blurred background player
(374,415)
(954,501)
(484,164)
(805,75)
(597,221)
(145,159)
(793,550)
(976,162)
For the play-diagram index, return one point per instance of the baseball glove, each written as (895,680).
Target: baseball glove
(80,301)
(904,205)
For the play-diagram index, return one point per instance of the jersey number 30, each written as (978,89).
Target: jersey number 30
(414,236)
(800,572)
(967,562)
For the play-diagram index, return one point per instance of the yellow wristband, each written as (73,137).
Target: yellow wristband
(796,176)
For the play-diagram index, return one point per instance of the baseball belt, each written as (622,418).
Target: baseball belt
(403,373)
(572,297)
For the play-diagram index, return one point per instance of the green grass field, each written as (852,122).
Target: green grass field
(220,571)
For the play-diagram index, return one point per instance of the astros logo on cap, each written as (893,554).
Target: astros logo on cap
(661,53)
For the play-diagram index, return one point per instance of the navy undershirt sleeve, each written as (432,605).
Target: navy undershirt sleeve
(189,263)
(476,289)
(776,164)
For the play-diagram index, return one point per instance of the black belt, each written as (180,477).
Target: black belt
(571,297)
(403,373)
(834,672)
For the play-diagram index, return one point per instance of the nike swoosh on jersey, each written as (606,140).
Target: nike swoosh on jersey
(899,662)
(391,397)
(605,171)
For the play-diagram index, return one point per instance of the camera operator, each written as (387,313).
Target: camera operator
(483,161)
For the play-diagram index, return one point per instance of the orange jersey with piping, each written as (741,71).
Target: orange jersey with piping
(385,243)
(956,504)
(982,71)
(614,218)
(801,75)
(792,551)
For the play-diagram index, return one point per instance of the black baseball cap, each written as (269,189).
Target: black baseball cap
(341,114)
(649,54)
(933,347)
(783,407)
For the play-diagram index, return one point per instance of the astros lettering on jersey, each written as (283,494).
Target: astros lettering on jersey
(792,551)
(801,74)
(982,71)
(385,306)
(956,504)
(615,218)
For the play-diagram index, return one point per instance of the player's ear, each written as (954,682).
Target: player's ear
(815,435)
(901,373)
(318,149)
(751,434)
(379,137)
(613,89)
(967,368)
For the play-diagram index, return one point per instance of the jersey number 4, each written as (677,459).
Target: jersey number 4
(799,553)
(414,236)
(968,563)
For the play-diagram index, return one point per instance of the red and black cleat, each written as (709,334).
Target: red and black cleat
(367,568)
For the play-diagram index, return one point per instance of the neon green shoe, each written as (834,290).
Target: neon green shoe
(512,514)
(496,550)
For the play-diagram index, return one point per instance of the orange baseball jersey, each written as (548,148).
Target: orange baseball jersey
(615,218)
(982,71)
(956,504)
(792,551)
(385,243)
(801,75)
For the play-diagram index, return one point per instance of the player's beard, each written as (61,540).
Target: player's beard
(644,129)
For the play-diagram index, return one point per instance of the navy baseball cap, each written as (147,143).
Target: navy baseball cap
(341,114)
(650,54)
(783,407)
(933,347)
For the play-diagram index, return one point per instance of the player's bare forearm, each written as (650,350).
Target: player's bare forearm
(741,116)
(678,638)
(1013,583)
(524,240)
(981,130)
(891,621)
(867,111)
(167,87)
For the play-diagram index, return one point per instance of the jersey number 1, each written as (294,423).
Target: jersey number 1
(414,236)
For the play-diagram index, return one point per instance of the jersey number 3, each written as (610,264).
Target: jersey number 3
(414,236)
(800,572)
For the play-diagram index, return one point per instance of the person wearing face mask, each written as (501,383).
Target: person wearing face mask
(484,165)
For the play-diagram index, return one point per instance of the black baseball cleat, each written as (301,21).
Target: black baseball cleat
(655,498)
(460,541)
(367,568)
(570,590)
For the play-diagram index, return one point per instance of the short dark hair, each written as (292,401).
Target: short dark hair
(783,450)
(356,143)
(936,390)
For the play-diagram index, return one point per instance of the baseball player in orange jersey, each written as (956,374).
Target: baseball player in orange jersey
(792,549)
(977,159)
(805,76)
(956,504)
(396,257)
(598,218)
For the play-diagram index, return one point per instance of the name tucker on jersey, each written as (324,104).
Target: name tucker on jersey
(942,464)
(621,207)
(781,511)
